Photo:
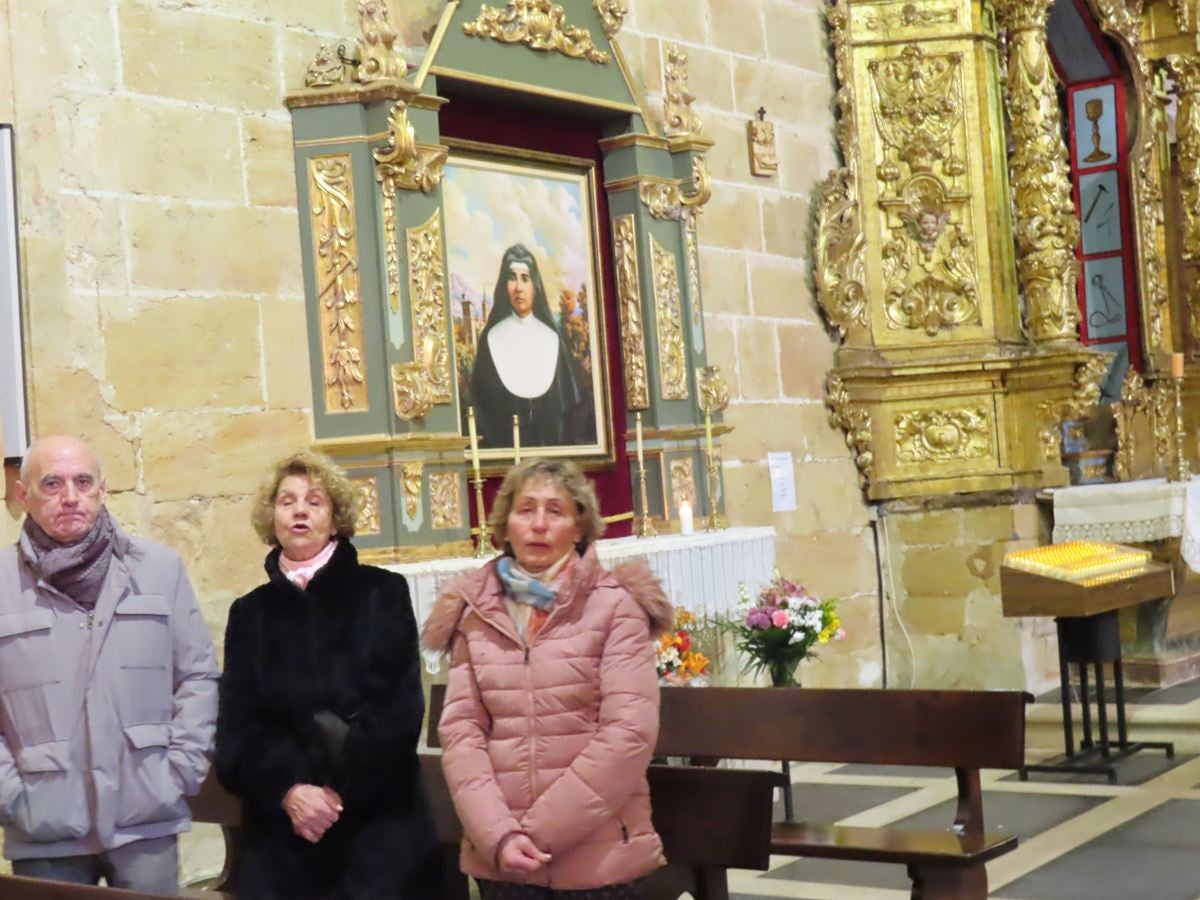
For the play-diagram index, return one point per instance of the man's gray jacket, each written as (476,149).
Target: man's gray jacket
(106,717)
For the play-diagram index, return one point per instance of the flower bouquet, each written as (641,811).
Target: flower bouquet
(781,628)
(678,661)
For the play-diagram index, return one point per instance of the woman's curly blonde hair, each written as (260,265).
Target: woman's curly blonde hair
(320,470)
(564,474)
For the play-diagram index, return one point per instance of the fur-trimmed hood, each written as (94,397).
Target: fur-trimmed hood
(634,576)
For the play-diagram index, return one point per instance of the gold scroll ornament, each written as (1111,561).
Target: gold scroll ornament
(366,499)
(446,500)
(427,296)
(672,353)
(539,25)
(410,482)
(855,421)
(331,207)
(679,116)
(629,308)
(612,15)
(377,51)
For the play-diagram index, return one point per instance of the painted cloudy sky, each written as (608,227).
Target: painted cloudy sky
(487,211)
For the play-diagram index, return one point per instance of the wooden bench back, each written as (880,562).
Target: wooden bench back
(957,729)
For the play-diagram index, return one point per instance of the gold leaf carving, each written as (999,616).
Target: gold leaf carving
(410,481)
(1085,393)
(402,162)
(681,119)
(764,160)
(692,238)
(1187,136)
(326,69)
(683,482)
(411,395)
(700,190)
(1157,404)
(661,199)
(937,435)
(672,354)
(840,271)
(855,421)
(427,295)
(539,25)
(612,15)
(714,392)
(446,499)
(366,498)
(377,47)
(629,307)
(331,210)
(910,16)
(1047,229)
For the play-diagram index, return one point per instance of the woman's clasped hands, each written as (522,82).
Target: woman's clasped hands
(518,854)
(313,809)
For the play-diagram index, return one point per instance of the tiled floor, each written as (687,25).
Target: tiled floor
(1081,838)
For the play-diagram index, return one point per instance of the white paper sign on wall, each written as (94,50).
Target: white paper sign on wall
(783,481)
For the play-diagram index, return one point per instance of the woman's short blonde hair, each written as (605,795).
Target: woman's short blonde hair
(564,474)
(319,469)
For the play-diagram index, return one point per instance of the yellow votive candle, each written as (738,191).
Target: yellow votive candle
(638,421)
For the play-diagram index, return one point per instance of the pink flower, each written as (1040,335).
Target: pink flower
(780,618)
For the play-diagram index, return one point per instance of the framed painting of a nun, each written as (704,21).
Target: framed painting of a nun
(521,255)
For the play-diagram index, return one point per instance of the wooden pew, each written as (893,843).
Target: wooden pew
(963,730)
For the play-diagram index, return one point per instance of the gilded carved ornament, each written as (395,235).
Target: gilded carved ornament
(366,500)
(928,256)
(331,210)
(446,499)
(840,271)
(683,482)
(402,162)
(764,159)
(681,119)
(539,25)
(612,15)
(943,435)
(668,307)
(1046,224)
(377,51)
(629,309)
(326,69)
(427,298)
(412,397)
(1187,136)
(669,201)
(910,16)
(691,239)
(714,392)
(855,421)
(1084,396)
(410,483)
(1157,403)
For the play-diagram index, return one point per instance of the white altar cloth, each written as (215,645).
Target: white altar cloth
(1131,512)
(701,571)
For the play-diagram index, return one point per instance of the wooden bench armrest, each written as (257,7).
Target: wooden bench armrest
(13,887)
(895,845)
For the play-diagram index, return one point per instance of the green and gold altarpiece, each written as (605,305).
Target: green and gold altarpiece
(369,158)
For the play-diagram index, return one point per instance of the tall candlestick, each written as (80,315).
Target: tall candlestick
(482,548)
(1182,472)
(714,523)
(1177,361)
(646,528)
(516,439)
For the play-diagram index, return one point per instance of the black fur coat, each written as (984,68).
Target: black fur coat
(347,644)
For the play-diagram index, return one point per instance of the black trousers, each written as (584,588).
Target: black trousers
(507,890)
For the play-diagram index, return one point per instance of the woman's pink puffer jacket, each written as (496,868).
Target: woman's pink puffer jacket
(552,737)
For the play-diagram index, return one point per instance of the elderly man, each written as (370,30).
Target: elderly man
(108,686)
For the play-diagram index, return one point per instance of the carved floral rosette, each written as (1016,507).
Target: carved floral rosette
(944,435)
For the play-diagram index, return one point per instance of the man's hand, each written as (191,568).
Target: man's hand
(518,854)
(313,810)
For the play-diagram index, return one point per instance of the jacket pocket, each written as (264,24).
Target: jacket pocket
(148,791)
(53,805)
(141,634)
(24,660)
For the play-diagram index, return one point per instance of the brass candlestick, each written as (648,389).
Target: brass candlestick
(645,527)
(1182,470)
(714,397)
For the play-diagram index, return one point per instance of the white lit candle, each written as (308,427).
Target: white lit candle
(685,517)
(474,441)
(641,460)
(516,439)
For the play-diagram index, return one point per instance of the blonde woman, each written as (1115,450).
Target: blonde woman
(321,707)
(552,704)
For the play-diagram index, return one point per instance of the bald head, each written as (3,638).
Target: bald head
(61,487)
